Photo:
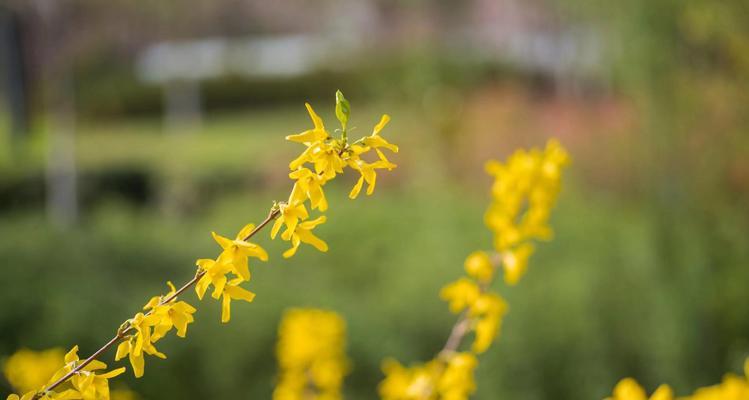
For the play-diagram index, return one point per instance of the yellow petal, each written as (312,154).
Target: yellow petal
(112,373)
(202,285)
(294,246)
(237,292)
(218,286)
(138,364)
(357,188)
(276,227)
(316,120)
(663,392)
(245,231)
(122,350)
(309,238)
(226,309)
(225,243)
(72,355)
(383,121)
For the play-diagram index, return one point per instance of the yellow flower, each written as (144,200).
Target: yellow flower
(215,273)
(515,262)
(239,249)
(90,386)
(479,266)
(308,186)
(525,189)
(26,396)
(311,355)
(487,310)
(322,151)
(87,384)
(173,314)
(376,141)
(69,394)
(418,382)
(291,213)
(732,387)
(629,389)
(316,134)
(460,294)
(139,342)
(303,234)
(368,173)
(26,369)
(232,291)
(457,382)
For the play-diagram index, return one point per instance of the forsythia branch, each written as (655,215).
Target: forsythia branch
(121,333)
(323,158)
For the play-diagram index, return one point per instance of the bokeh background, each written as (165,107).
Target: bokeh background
(131,129)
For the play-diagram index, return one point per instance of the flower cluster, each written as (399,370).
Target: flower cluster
(448,377)
(88,383)
(524,191)
(322,159)
(311,355)
(733,387)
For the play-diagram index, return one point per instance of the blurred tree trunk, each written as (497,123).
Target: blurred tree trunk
(59,109)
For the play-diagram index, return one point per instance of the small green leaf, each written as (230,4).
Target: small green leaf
(342,109)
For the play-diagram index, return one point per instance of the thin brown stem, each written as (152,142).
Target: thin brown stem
(273,214)
(463,325)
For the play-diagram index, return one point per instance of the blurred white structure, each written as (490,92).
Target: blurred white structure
(180,66)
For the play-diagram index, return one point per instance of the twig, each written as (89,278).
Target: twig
(463,325)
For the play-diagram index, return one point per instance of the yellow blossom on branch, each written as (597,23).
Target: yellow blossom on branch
(524,191)
(323,158)
(139,342)
(232,291)
(88,384)
(239,250)
(169,315)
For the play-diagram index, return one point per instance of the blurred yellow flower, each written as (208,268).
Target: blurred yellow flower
(629,389)
(456,382)
(479,266)
(311,355)
(460,294)
(515,262)
(26,369)
(524,191)
(487,312)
